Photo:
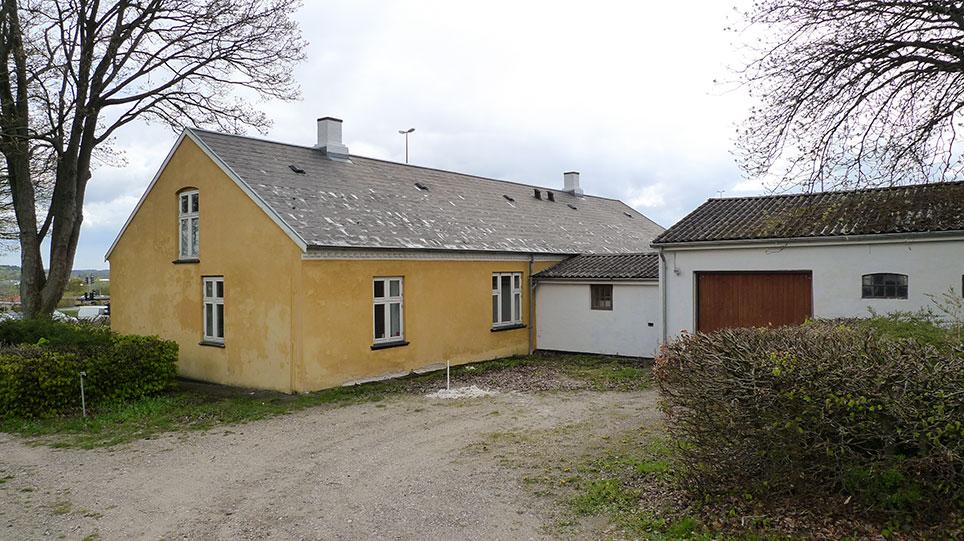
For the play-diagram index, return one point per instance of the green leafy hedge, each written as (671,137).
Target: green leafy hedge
(53,333)
(40,365)
(822,406)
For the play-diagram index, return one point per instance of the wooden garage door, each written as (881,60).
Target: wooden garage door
(752,299)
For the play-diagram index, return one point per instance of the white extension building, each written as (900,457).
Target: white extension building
(760,261)
(781,259)
(607,303)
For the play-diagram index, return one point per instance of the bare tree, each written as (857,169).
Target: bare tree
(853,93)
(77,70)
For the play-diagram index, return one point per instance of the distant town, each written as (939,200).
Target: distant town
(86,286)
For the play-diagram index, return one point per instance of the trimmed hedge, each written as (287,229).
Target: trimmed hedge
(53,333)
(42,378)
(822,406)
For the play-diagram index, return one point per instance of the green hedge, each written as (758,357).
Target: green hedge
(817,407)
(43,378)
(48,332)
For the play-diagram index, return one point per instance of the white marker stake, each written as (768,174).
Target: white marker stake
(448,368)
(83,399)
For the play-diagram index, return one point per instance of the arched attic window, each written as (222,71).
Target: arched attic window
(884,285)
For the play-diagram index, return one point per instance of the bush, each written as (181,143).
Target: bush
(41,376)
(817,407)
(924,327)
(53,333)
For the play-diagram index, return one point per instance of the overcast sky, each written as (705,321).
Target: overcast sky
(623,92)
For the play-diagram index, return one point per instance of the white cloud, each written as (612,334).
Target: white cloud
(109,214)
(622,92)
(648,197)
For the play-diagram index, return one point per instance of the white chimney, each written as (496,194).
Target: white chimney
(329,138)
(571,182)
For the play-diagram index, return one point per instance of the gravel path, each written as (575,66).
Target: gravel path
(406,468)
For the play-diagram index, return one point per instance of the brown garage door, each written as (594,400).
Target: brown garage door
(752,299)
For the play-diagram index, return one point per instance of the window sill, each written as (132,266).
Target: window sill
(211,344)
(500,328)
(186,261)
(386,345)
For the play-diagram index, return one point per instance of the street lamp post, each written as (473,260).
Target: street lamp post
(405,133)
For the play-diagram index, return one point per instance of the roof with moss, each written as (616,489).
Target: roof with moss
(922,208)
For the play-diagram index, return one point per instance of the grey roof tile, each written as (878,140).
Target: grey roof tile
(604,267)
(904,209)
(373,203)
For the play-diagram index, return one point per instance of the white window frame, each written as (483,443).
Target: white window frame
(184,220)
(213,300)
(387,301)
(515,307)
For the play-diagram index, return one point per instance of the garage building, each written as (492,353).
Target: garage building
(599,303)
(777,260)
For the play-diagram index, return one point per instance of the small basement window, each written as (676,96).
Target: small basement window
(602,296)
(884,286)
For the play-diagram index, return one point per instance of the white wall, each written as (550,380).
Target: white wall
(931,267)
(566,323)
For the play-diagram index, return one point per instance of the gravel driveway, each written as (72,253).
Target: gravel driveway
(405,468)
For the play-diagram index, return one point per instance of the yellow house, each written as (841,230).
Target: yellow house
(297,268)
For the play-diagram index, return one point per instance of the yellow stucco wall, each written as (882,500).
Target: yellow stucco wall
(291,324)
(447,317)
(151,295)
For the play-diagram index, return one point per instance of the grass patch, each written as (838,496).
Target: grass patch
(192,406)
(632,485)
(199,406)
(61,508)
(72,312)
(614,486)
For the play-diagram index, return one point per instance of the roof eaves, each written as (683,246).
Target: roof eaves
(540,278)
(810,240)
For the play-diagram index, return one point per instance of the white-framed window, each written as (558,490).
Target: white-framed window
(188,214)
(388,309)
(506,298)
(213,293)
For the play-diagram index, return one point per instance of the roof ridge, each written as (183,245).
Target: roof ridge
(437,169)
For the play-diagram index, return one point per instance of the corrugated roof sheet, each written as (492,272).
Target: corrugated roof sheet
(903,209)
(372,203)
(604,267)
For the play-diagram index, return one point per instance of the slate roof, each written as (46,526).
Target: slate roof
(604,267)
(371,203)
(922,208)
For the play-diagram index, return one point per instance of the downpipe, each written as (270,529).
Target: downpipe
(532,307)
(662,296)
